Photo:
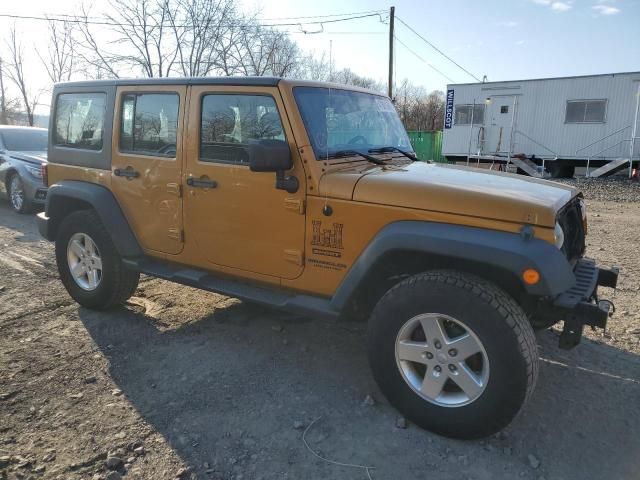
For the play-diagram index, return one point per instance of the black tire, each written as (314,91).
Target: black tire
(27,204)
(117,283)
(496,320)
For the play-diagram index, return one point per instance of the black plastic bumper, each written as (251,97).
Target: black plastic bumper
(580,305)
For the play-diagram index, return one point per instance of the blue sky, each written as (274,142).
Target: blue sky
(501,39)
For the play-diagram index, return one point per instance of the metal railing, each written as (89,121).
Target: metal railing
(600,140)
(555,155)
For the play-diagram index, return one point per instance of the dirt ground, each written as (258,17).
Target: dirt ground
(183,383)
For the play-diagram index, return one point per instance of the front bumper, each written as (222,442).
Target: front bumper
(34,189)
(580,305)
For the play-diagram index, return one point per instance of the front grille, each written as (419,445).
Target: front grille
(570,219)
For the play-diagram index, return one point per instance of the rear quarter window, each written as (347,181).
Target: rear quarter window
(79,120)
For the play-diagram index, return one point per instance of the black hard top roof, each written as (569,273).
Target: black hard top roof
(232,81)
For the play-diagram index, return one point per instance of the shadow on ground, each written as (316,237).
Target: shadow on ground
(226,390)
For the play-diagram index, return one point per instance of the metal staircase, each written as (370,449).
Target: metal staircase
(529,167)
(609,169)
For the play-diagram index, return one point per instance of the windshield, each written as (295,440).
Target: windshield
(25,140)
(338,120)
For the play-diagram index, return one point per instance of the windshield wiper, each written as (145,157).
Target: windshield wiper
(353,153)
(395,149)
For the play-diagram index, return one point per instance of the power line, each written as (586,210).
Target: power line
(376,12)
(420,58)
(117,24)
(438,50)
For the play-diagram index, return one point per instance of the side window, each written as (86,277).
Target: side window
(230,122)
(79,120)
(149,124)
(586,111)
(467,114)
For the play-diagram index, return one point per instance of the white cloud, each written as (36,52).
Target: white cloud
(520,42)
(510,24)
(560,6)
(556,6)
(605,9)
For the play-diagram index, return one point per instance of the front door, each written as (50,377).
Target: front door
(500,120)
(147,163)
(237,218)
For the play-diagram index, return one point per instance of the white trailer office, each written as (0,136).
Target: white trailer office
(547,127)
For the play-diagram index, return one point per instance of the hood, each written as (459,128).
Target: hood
(38,157)
(455,189)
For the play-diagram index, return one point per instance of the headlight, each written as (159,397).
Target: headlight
(35,171)
(558,234)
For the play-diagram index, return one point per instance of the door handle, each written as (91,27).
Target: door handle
(128,173)
(201,182)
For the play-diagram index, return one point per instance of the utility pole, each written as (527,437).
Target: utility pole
(392,14)
(3,100)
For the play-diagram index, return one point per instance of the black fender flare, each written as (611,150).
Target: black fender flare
(62,198)
(512,252)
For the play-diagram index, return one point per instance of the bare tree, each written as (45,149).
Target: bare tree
(263,51)
(142,39)
(59,62)
(417,109)
(98,61)
(141,26)
(349,77)
(15,73)
(201,29)
(3,97)
(314,67)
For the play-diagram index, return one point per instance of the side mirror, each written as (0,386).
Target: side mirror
(273,156)
(269,156)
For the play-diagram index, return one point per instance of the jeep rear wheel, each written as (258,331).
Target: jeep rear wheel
(453,353)
(89,264)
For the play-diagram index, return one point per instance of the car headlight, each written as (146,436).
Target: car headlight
(558,235)
(35,171)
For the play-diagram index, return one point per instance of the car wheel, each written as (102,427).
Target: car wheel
(89,264)
(17,195)
(453,353)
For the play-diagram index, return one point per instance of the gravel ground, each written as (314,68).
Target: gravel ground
(613,189)
(185,384)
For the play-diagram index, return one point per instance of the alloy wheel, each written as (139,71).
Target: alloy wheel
(85,262)
(16,193)
(442,360)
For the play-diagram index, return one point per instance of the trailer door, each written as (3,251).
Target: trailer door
(500,111)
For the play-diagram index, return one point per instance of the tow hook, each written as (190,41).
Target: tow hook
(607,306)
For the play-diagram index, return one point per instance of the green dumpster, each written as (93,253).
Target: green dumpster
(427,145)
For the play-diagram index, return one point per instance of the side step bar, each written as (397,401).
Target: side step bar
(297,303)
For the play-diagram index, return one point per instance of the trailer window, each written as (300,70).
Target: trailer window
(464,115)
(586,111)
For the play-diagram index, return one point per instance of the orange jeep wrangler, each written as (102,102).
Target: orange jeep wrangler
(308,197)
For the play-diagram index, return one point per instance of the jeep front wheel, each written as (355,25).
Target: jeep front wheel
(453,353)
(89,264)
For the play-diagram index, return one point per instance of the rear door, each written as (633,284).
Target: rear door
(147,163)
